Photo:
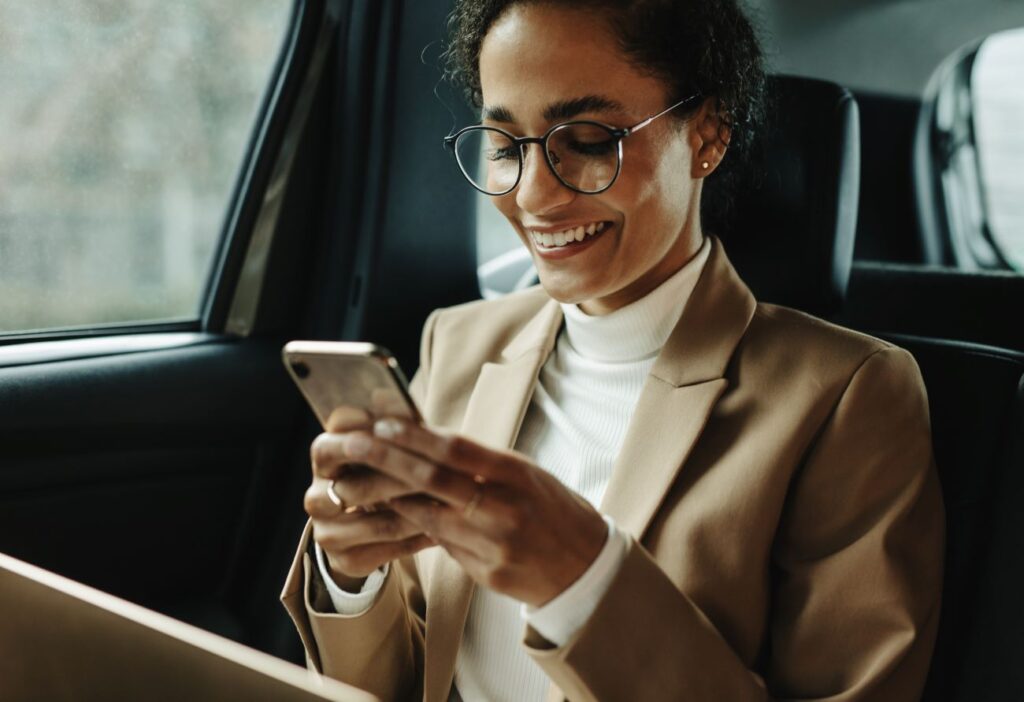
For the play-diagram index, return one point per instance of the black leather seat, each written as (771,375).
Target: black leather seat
(791,224)
(976,399)
(791,237)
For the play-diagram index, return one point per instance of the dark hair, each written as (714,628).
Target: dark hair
(708,47)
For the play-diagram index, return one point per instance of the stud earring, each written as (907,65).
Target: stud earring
(705,165)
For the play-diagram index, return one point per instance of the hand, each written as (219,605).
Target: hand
(361,538)
(511,525)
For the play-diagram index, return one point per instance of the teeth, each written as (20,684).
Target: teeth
(568,236)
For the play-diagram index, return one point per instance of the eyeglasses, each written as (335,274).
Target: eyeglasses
(585,156)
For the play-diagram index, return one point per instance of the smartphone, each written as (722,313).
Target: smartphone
(333,374)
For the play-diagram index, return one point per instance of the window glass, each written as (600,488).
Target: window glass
(122,128)
(503,263)
(998,96)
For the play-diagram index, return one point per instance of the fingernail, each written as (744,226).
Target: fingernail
(357,445)
(422,471)
(387,428)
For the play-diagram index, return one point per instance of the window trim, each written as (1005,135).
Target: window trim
(27,353)
(231,300)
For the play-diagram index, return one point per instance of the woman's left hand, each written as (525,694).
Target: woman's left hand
(511,525)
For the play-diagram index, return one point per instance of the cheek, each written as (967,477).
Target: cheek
(668,190)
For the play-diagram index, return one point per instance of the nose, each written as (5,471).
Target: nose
(539,190)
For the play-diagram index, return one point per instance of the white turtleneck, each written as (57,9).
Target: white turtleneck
(573,428)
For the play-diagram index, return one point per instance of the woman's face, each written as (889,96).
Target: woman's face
(540,65)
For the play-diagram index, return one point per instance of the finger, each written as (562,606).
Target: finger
(330,455)
(450,486)
(445,524)
(327,455)
(458,452)
(346,418)
(316,502)
(379,527)
(364,486)
(319,505)
(360,561)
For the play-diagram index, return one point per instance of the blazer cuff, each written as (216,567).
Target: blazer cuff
(645,640)
(350,603)
(563,616)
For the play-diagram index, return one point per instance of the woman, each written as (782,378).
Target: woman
(709,498)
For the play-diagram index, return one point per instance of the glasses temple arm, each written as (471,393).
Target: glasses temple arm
(640,125)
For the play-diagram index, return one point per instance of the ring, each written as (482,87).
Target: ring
(478,495)
(335,497)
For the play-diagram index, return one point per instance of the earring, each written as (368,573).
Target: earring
(705,165)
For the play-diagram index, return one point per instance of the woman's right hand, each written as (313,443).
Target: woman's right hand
(362,537)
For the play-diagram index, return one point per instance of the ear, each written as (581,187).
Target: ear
(709,138)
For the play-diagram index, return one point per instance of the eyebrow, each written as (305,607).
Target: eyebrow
(563,109)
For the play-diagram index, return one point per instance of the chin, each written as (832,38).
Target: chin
(566,292)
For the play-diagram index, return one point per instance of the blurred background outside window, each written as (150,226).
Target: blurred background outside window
(998,96)
(123,125)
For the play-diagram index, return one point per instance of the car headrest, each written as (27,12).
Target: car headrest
(792,215)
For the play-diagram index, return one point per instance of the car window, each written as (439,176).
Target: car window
(503,263)
(998,98)
(977,154)
(122,128)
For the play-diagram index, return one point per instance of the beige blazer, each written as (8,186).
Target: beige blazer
(778,484)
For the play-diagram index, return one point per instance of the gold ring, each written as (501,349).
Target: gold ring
(335,497)
(478,495)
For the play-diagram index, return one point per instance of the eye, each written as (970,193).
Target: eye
(583,139)
(501,154)
(593,148)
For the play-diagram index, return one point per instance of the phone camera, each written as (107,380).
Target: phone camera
(300,369)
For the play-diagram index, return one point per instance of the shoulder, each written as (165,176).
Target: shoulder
(483,328)
(791,346)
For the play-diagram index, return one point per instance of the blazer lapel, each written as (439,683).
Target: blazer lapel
(493,416)
(679,394)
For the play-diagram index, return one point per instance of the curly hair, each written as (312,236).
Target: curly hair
(708,47)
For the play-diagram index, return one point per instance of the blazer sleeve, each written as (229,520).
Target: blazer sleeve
(856,576)
(381,649)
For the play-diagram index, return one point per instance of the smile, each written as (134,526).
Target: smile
(567,237)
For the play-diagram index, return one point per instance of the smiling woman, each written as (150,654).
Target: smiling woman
(706,497)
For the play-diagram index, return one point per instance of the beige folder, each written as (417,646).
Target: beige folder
(63,641)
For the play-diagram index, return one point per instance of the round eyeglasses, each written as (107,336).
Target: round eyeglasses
(585,156)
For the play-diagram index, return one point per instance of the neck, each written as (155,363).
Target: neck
(685,248)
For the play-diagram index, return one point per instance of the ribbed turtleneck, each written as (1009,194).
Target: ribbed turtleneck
(639,329)
(574,428)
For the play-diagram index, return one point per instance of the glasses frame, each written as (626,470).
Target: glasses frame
(617,133)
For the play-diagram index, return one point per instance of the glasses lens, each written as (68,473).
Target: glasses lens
(586,156)
(489,159)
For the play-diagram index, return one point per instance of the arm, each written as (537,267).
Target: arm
(856,579)
(381,648)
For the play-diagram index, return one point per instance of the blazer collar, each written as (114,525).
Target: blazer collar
(679,395)
(674,406)
(493,416)
(540,333)
(710,327)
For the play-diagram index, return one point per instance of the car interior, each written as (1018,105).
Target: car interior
(165,461)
